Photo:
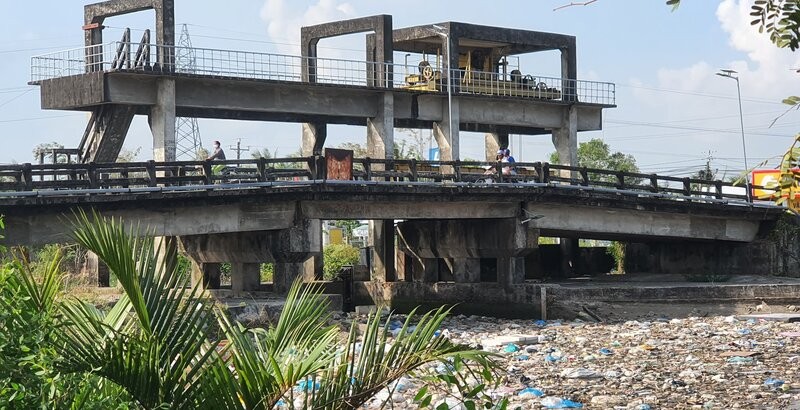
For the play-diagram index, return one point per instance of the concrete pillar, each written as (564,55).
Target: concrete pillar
(380,129)
(207,274)
(570,248)
(569,70)
(495,141)
(162,126)
(448,144)
(167,257)
(565,138)
(467,270)
(245,277)
(314,136)
(313,268)
(426,270)
(97,270)
(511,270)
(162,121)
(285,275)
(381,240)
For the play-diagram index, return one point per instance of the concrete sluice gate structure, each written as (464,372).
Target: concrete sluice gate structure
(464,80)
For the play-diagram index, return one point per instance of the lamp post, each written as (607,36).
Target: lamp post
(442,32)
(730,74)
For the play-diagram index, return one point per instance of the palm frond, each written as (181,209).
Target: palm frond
(269,363)
(358,376)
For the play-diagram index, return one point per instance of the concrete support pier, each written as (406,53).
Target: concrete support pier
(448,141)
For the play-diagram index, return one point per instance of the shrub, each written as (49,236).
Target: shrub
(337,255)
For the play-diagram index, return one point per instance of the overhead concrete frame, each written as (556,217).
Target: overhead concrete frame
(95,14)
(419,39)
(380,129)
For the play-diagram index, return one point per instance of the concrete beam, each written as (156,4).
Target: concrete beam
(407,210)
(166,220)
(597,223)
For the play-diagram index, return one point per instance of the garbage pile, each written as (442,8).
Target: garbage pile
(691,363)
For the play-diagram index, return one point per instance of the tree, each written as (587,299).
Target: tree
(779,18)
(45,148)
(595,153)
(128,155)
(262,153)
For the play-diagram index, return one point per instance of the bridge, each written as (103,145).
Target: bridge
(265,194)
(441,231)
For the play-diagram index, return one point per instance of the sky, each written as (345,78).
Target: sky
(672,112)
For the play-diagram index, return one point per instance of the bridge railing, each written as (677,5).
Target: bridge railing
(32,177)
(126,56)
(233,173)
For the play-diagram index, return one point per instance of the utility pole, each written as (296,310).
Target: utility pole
(187,131)
(238,148)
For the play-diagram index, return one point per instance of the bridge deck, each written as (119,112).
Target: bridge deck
(177,198)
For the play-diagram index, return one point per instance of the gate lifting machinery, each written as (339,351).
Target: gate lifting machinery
(480,73)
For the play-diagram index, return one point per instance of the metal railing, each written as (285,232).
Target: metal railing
(95,177)
(144,57)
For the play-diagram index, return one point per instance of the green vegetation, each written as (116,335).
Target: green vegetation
(335,256)
(596,154)
(165,345)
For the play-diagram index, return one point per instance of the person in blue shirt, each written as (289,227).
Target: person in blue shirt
(508,170)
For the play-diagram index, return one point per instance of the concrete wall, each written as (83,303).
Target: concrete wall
(762,257)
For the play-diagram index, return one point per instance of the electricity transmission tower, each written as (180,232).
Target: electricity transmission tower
(187,132)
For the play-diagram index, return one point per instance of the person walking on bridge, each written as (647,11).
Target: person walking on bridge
(218,153)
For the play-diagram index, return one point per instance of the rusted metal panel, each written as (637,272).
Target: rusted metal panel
(339,164)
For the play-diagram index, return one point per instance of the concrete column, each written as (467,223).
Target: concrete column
(285,275)
(569,256)
(162,121)
(426,270)
(495,141)
(511,270)
(313,268)
(448,144)
(207,274)
(167,248)
(245,277)
(162,125)
(97,270)
(565,138)
(381,238)
(314,136)
(467,270)
(380,129)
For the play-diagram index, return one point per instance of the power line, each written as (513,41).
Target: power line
(37,118)
(699,94)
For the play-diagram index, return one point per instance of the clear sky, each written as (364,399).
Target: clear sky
(672,110)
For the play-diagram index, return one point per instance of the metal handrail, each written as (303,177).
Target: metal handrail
(89,178)
(335,71)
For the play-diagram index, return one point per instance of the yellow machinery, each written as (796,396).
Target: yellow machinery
(481,81)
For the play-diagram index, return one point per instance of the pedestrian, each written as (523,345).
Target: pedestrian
(507,158)
(218,153)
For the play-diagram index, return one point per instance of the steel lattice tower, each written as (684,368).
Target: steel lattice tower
(187,132)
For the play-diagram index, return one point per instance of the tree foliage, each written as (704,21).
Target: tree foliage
(165,345)
(778,18)
(595,153)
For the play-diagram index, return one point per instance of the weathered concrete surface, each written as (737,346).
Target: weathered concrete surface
(524,300)
(610,223)
(161,219)
(761,257)
(479,238)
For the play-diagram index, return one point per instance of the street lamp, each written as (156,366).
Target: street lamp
(441,31)
(730,74)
